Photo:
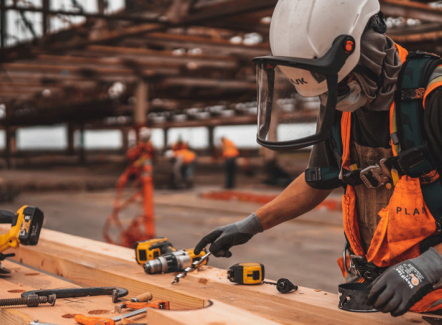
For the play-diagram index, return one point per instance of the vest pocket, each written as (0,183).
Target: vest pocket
(404,223)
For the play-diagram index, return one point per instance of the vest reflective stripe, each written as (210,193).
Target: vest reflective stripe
(346,135)
(393,129)
(433,85)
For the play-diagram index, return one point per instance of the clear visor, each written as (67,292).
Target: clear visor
(283,113)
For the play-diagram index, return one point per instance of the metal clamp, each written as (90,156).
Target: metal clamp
(352,270)
(374,177)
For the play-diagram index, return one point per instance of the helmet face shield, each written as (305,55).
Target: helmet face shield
(283,114)
(290,115)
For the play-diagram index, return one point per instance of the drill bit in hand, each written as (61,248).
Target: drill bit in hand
(194,266)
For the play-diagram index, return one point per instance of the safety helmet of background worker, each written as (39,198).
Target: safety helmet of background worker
(315,45)
(144,134)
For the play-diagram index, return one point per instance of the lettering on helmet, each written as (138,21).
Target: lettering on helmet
(299,81)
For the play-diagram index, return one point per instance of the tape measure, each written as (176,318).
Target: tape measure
(246,273)
(254,273)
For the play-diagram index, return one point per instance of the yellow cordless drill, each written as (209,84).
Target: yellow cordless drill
(151,249)
(25,229)
(173,262)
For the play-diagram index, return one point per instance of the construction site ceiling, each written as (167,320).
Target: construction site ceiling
(193,55)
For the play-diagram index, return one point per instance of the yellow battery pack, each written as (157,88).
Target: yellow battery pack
(151,249)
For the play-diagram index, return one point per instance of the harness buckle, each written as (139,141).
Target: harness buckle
(373,176)
(352,269)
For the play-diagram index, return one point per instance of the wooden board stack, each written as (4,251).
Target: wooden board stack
(203,297)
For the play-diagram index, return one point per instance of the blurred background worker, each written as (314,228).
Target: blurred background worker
(230,152)
(144,148)
(142,153)
(183,165)
(180,144)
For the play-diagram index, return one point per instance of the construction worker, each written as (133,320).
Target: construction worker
(373,137)
(138,155)
(180,144)
(183,166)
(230,152)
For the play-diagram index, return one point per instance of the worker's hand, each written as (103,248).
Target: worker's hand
(223,238)
(404,284)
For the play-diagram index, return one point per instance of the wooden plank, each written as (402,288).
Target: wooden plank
(24,279)
(67,257)
(91,269)
(191,41)
(208,82)
(218,313)
(228,9)
(419,37)
(411,9)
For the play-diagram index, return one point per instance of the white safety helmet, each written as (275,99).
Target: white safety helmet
(315,45)
(169,154)
(307,29)
(144,134)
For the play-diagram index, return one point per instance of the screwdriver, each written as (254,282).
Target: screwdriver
(106,321)
(147,296)
(191,268)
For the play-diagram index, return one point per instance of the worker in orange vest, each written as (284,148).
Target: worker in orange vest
(180,144)
(183,166)
(230,152)
(378,135)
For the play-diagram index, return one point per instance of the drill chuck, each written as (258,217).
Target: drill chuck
(172,262)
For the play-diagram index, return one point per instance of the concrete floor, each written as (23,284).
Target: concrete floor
(304,250)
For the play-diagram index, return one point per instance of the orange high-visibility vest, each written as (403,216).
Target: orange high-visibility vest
(187,155)
(139,150)
(405,222)
(229,149)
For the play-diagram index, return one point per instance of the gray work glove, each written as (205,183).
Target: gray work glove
(404,284)
(223,238)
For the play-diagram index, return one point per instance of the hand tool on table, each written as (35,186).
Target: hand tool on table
(144,297)
(193,267)
(26,225)
(30,301)
(157,304)
(80,292)
(433,320)
(253,273)
(151,249)
(106,321)
(36,322)
(173,262)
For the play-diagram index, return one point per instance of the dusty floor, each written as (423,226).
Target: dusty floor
(304,250)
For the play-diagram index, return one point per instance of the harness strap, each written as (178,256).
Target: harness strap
(413,157)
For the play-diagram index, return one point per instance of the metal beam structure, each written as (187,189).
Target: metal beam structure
(190,52)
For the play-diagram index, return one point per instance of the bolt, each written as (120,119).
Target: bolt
(30,301)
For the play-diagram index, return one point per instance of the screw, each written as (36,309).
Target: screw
(30,301)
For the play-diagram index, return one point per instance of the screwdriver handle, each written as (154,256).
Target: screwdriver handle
(147,296)
(93,320)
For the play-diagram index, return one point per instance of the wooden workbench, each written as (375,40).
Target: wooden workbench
(205,297)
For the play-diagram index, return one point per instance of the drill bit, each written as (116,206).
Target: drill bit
(194,266)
